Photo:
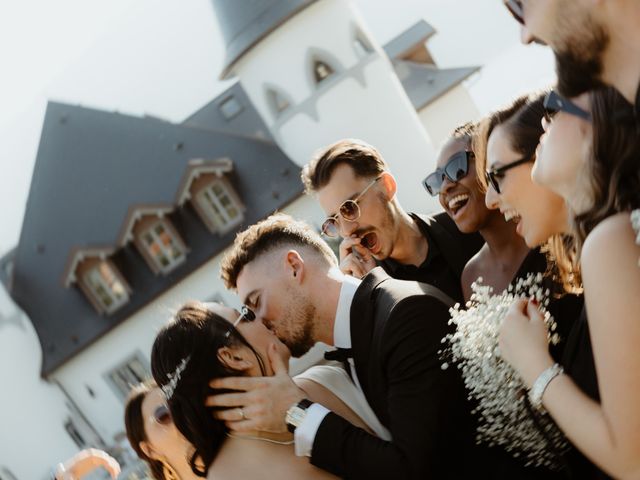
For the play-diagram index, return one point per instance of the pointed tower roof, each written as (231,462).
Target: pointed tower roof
(244,24)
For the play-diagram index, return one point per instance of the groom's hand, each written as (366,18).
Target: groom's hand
(261,403)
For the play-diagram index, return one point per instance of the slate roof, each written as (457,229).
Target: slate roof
(91,167)
(245,22)
(419,32)
(245,122)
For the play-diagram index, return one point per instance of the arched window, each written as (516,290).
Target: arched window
(278,102)
(321,71)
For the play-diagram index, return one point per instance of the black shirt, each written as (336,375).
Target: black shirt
(449,251)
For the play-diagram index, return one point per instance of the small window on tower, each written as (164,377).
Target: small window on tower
(321,71)
(277,101)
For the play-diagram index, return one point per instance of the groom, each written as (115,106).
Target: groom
(389,333)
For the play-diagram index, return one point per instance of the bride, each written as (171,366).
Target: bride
(207,341)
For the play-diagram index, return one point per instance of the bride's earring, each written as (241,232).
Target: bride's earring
(169,472)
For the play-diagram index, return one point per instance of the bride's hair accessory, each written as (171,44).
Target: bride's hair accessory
(174,378)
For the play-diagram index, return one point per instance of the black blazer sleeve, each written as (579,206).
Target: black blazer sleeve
(424,405)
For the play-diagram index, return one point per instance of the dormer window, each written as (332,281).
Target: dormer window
(105,286)
(321,71)
(151,230)
(160,245)
(219,205)
(207,185)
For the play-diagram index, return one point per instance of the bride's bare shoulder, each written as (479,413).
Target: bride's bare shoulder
(250,459)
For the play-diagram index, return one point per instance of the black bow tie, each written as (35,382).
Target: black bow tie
(339,354)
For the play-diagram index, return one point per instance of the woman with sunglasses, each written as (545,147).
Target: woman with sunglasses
(209,341)
(505,144)
(589,155)
(154,437)
(461,195)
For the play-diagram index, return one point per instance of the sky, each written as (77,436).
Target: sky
(162,58)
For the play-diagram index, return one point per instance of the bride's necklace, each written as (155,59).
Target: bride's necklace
(262,439)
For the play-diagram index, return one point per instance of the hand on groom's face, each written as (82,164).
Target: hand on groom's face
(260,403)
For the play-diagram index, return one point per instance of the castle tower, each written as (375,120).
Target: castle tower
(315,74)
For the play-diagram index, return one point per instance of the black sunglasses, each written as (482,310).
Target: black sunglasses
(455,170)
(162,415)
(246,315)
(554,103)
(492,176)
(516,9)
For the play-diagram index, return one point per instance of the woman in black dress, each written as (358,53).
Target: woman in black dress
(590,156)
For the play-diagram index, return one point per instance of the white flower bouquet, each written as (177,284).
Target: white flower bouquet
(506,418)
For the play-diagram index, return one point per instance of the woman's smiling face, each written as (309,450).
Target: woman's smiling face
(462,200)
(539,212)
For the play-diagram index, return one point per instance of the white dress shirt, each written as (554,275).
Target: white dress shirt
(306,432)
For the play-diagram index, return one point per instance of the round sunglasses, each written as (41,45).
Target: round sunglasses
(455,170)
(349,211)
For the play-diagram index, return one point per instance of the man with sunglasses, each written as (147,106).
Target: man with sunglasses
(355,188)
(594,42)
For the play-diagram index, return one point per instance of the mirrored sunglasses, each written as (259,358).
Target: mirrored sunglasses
(455,170)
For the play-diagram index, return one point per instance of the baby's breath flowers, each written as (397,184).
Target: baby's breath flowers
(505,417)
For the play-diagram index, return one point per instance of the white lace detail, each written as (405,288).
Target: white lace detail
(635,223)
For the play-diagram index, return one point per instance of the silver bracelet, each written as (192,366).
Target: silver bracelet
(541,384)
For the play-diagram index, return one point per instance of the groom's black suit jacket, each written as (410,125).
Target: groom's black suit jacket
(396,332)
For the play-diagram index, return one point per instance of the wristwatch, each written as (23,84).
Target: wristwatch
(296,414)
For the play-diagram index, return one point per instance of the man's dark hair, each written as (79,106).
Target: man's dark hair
(271,233)
(364,159)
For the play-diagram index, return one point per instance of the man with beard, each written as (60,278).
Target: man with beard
(358,193)
(594,42)
(388,333)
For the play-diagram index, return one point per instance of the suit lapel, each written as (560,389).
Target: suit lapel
(362,324)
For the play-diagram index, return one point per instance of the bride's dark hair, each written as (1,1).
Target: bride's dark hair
(197,333)
(612,166)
